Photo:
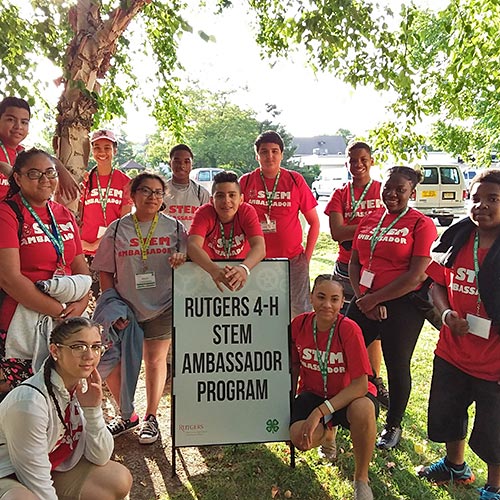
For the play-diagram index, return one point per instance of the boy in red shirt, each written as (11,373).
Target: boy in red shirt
(226,228)
(347,206)
(15,115)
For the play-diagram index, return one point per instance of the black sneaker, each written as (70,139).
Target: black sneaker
(382,392)
(119,426)
(149,432)
(441,473)
(389,438)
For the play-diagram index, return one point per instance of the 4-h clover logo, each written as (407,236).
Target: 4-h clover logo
(272,425)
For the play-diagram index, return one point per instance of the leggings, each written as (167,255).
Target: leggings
(399,334)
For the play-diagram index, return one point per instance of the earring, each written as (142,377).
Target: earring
(55,358)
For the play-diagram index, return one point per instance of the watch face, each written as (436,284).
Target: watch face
(346,245)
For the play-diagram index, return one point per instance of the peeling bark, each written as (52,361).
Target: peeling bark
(88,59)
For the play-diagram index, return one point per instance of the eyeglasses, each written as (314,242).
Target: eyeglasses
(149,192)
(35,175)
(78,350)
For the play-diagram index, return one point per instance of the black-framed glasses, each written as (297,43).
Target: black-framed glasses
(78,350)
(158,193)
(35,175)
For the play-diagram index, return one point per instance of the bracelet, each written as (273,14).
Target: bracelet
(443,316)
(246,268)
(64,306)
(329,405)
(320,410)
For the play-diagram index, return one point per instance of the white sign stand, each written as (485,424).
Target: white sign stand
(231,369)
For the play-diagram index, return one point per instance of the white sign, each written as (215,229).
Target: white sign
(231,354)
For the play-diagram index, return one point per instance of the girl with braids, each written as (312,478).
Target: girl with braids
(390,253)
(39,240)
(329,354)
(53,439)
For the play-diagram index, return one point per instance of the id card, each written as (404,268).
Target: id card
(479,326)
(268,226)
(101,231)
(145,280)
(367,278)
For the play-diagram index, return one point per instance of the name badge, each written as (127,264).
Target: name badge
(367,278)
(101,231)
(479,326)
(268,226)
(145,280)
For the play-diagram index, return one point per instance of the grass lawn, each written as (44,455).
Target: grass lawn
(257,472)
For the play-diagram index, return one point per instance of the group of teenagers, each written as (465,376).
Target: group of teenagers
(54,441)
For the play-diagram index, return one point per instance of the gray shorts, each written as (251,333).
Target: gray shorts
(159,328)
(299,285)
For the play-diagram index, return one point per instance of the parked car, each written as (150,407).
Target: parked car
(469,175)
(326,183)
(442,193)
(204,176)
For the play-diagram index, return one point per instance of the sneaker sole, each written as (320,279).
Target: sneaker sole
(449,481)
(149,440)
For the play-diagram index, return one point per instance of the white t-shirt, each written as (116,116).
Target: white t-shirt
(182,201)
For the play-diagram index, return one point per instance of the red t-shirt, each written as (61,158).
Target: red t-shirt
(292,195)
(472,354)
(38,258)
(348,357)
(93,216)
(411,236)
(340,202)
(206,224)
(4,181)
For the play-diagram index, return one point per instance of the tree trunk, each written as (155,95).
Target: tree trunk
(88,59)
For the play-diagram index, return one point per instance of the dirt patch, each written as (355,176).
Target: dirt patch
(151,465)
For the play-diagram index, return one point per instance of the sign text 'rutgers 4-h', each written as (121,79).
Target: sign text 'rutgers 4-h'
(231,349)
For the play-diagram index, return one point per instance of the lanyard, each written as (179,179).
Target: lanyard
(7,157)
(355,204)
(323,361)
(376,237)
(270,196)
(144,242)
(226,244)
(53,235)
(104,200)
(476,270)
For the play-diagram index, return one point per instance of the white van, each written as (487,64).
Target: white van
(327,182)
(442,193)
(204,176)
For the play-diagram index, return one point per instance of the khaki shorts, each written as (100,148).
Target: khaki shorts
(159,328)
(68,485)
(7,484)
